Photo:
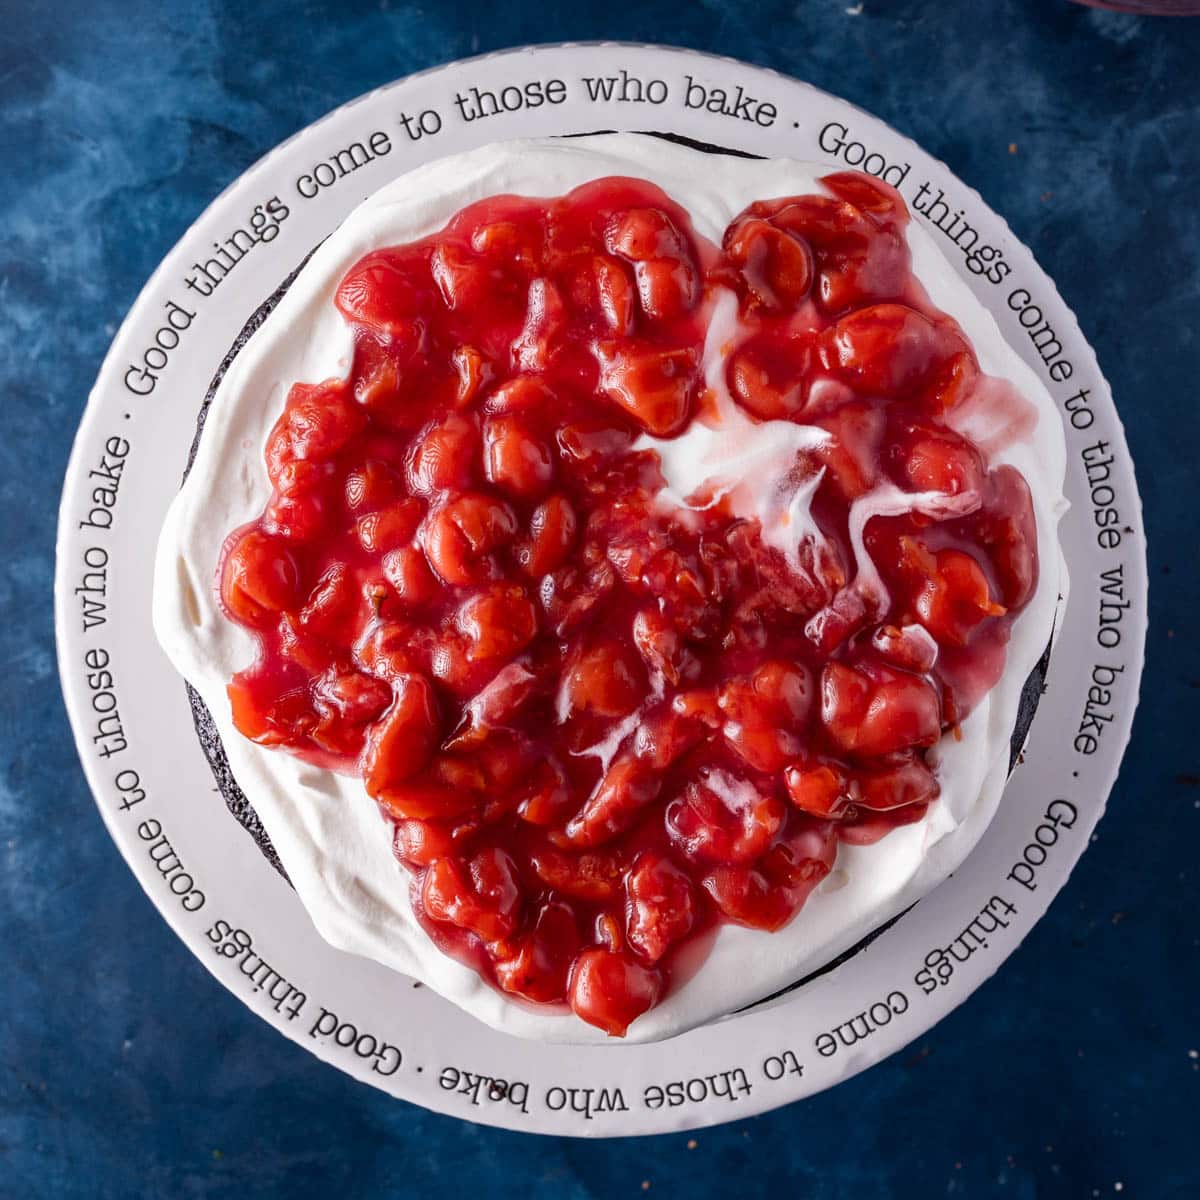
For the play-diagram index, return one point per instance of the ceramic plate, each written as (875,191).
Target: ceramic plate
(133,725)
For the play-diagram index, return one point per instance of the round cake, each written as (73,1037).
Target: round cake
(612,572)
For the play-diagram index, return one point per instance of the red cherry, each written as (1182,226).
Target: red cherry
(382,293)
(659,644)
(552,530)
(460,535)
(664,737)
(404,741)
(267,718)
(851,453)
(418,843)
(880,711)
(380,391)
(645,234)
(332,609)
(443,459)
(407,570)
(935,459)
(1007,530)
(745,897)
(390,527)
(603,678)
(818,789)
(870,195)
(909,647)
(953,601)
(354,697)
(589,440)
(259,578)
(523,394)
(615,294)
(661,908)
(610,990)
(371,486)
(514,234)
(516,460)
(387,650)
(495,704)
(776,693)
(538,966)
(667,287)
(801,858)
(653,386)
(303,504)
(777,266)
(463,278)
(544,796)
(545,326)
(888,349)
(908,783)
(498,622)
(767,375)
(473,372)
(569,596)
(320,419)
(483,897)
(594,876)
(617,801)
(763,711)
(720,818)
(304,649)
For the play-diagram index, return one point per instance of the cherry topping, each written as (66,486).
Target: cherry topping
(600,722)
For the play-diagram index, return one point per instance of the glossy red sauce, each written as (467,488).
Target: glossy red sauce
(462,585)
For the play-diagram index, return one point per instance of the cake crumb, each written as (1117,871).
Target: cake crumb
(645,1185)
(692,1143)
(1012,147)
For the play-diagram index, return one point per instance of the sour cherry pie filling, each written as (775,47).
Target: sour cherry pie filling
(603,718)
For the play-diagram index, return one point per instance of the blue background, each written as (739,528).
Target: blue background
(127,1071)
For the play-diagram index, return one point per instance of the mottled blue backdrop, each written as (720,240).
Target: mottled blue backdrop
(127,1071)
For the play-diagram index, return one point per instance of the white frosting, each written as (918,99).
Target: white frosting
(330,834)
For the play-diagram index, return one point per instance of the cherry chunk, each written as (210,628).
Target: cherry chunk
(611,989)
(871,709)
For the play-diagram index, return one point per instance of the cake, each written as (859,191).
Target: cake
(611,572)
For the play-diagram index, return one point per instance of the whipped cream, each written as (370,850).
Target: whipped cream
(330,834)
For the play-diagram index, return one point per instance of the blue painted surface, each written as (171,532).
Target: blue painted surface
(127,1071)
